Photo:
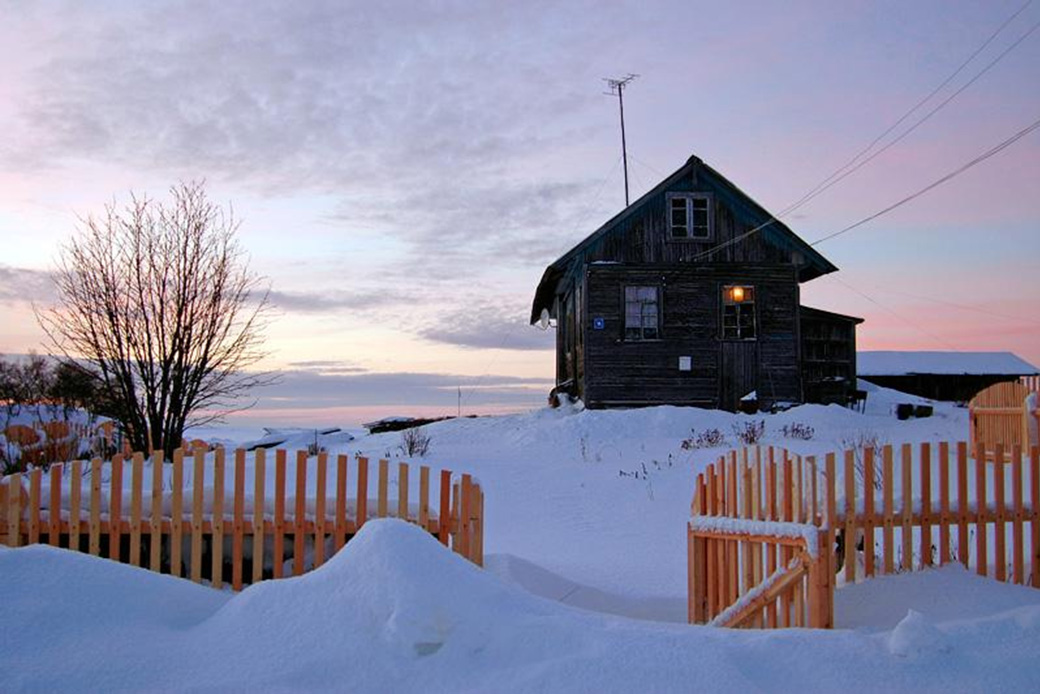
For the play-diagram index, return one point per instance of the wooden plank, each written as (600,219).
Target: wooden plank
(850,515)
(757,514)
(280,465)
(697,562)
(177,512)
(907,456)
(456,518)
(424,497)
(319,509)
(136,502)
(156,513)
(888,490)
(832,523)
(771,549)
(362,497)
(384,485)
(115,505)
(402,491)
(926,504)
(259,504)
(217,553)
(341,501)
(732,548)
(94,531)
(54,526)
(786,602)
(1034,514)
(963,504)
(299,512)
(748,574)
(478,526)
(721,549)
(238,525)
(1000,527)
(463,506)
(14,509)
(1018,546)
(35,489)
(712,566)
(75,492)
(945,520)
(198,485)
(981,553)
(768,597)
(868,511)
(445,507)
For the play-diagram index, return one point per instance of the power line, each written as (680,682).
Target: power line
(935,184)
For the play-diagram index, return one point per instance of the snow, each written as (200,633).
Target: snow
(888,363)
(810,534)
(585,585)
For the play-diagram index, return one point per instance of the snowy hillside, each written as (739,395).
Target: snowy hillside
(583,510)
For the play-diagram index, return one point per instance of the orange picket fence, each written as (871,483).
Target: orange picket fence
(770,530)
(232,522)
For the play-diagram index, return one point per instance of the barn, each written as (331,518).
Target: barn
(942,375)
(690,296)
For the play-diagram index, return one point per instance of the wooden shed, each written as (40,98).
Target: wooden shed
(942,375)
(690,296)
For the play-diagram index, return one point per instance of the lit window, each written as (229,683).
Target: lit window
(642,317)
(689,216)
(738,312)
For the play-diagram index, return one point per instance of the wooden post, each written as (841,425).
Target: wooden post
(319,509)
(35,492)
(786,603)
(963,504)
(926,504)
(300,513)
(907,455)
(850,515)
(402,491)
(95,507)
(362,493)
(156,513)
(868,511)
(217,520)
(259,505)
(14,509)
(384,485)
(279,513)
(238,523)
(981,553)
(1034,513)
(1000,528)
(115,504)
(444,518)
(136,494)
(945,520)
(424,497)
(465,499)
(54,526)
(1018,548)
(177,514)
(198,484)
(75,492)
(888,484)
(341,501)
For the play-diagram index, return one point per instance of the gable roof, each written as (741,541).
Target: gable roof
(775,232)
(892,363)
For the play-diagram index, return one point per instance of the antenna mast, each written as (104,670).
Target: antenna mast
(617,86)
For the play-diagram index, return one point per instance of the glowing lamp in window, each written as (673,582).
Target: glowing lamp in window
(737,294)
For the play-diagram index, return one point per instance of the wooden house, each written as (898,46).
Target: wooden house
(690,296)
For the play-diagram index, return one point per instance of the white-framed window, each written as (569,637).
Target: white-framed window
(642,313)
(738,312)
(689,216)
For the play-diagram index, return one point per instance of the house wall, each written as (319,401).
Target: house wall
(620,372)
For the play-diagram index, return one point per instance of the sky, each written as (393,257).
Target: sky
(404,171)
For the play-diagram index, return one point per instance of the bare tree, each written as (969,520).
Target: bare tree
(158,298)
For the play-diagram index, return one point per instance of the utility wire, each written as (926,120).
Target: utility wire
(935,184)
(916,326)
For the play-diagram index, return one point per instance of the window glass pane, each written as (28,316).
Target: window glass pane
(650,333)
(631,293)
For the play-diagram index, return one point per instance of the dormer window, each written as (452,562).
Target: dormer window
(689,216)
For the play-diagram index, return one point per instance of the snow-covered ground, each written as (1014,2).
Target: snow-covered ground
(585,529)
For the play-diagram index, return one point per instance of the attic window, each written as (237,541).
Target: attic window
(689,216)
(738,312)
(641,313)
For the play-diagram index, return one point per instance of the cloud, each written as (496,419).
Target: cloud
(331,301)
(488,326)
(26,285)
(326,366)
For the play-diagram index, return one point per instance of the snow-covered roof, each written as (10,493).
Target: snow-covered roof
(891,363)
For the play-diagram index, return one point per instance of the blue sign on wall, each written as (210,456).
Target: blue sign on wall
(598,323)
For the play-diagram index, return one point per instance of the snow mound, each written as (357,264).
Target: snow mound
(915,635)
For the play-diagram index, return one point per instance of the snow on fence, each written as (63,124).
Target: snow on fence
(1031,382)
(770,531)
(1004,413)
(231,520)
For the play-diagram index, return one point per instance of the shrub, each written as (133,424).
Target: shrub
(860,442)
(797,430)
(709,438)
(750,433)
(415,442)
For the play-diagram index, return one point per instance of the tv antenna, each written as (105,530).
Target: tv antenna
(617,87)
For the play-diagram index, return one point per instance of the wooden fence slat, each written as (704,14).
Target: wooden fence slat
(402,491)
(362,497)
(156,513)
(319,509)
(850,516)
(868,511)
(771,550)
(732,561)
(54,526)
(907,562)
(789,599)
(888,487)
(1034,514)
(198,484)
(75,494)
(945,520)
(14,509)
(424,497)
(238,523)
(95,507)
(721,546)
(115,506)
(1018,548)
(832,522)
(748,574)
(926,504)
(35,491)
(217,539)
(136,494)
(981,553)
(456,518)
(300,512)
(1000,527)
(463,506)
(384,485)
(177,514)
(444,518)
(963,505)
(710,545)
(278,557)
(259,504)
(341,501)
